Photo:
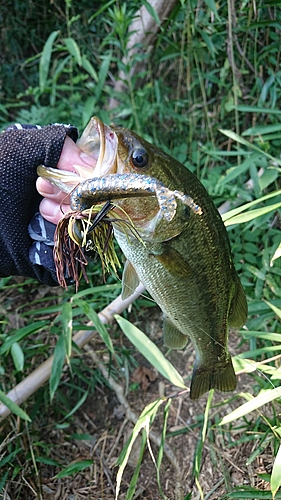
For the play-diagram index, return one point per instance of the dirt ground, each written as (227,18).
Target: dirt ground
(99,429)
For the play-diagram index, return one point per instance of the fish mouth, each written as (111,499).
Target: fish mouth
(99,141)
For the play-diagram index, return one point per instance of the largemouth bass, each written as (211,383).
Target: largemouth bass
(184,260)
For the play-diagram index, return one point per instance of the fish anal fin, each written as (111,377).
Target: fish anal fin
(130,280)
(220,377)
(173,338)
(238,308)
(173,262)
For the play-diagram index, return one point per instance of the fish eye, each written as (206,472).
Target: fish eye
(139,158)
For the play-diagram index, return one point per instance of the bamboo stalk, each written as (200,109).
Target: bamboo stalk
(39,377)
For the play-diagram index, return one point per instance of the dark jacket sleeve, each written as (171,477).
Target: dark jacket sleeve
(22,149)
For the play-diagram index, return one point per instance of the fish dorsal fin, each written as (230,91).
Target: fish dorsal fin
(238,308)
(173,338)
(130,280)
(173,262)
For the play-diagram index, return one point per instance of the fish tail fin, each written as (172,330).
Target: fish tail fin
(220,377)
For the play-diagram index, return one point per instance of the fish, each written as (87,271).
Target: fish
(182,258)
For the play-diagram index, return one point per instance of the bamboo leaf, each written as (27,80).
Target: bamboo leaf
(57,366)
(74,468)
(21,334)
(13,407)
(275,481)
(66,315)
(45,59)
(276,255)
(246,217)
(275,309)
(147,415)
(18,356)
(73,49)
(101,328)
(235,137)
(89,68)
(150,352)
(251,204)
(152,11)
(262,399)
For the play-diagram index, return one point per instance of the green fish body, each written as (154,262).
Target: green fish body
(184,263)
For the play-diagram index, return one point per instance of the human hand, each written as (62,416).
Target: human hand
(22,149)
(55,202)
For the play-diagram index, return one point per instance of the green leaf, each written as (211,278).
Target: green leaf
(57,366)
(66,315)
(92,315)
(249,493)
(276,255)
(234,172)
(73,49)
(132,487)
(45,60)
(262,399)
(18,356)
(89,68)
(262,129)
(147,416)
(152,12)
(256,109)
(212,6)
(74,468)
(235,137)
(150,352)
(77,406)
(21,334)
(275,481)
(103,72)
(239,210)
(13,407)
(253,214)
(275,309)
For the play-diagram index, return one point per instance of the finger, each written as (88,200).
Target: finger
(71,155)
(46,189)
(53,211)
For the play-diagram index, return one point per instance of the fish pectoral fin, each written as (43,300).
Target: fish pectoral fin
(130,280)
(173,262)
(173,338)
(220,377)
(238,307)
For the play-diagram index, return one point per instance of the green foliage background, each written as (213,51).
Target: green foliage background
(213,67)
